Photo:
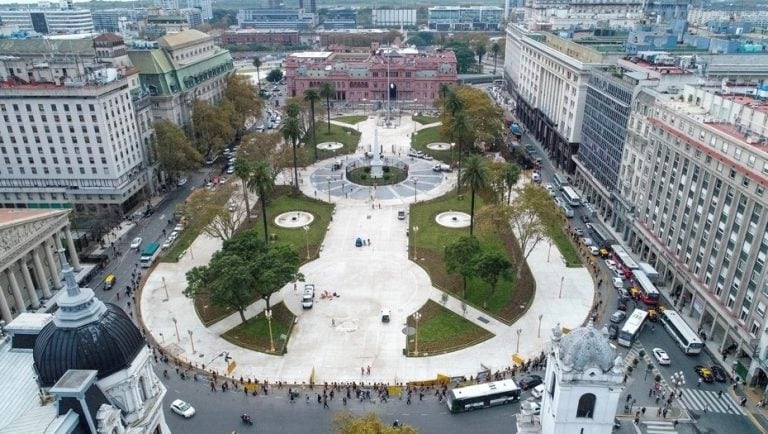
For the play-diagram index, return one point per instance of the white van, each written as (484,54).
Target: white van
(538,391)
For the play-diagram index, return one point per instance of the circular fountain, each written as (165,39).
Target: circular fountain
(453,219)
(294,219)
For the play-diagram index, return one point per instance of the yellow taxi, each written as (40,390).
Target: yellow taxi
(109,281)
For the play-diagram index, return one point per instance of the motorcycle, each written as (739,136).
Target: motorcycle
(246,419)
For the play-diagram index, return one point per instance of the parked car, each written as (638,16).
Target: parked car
(618,282)
(579,232)
(585,219)
(661,356)
(182,408)
(136,243)
(401,214)
(618,316)
(181,181)
(593,250)
(719,374)
(385,315)
(611,264)
(538,391)
(704,373)
(230,170)
(529,381)
(613,331)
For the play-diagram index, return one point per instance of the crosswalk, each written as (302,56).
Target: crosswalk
(701,400)
(660,427)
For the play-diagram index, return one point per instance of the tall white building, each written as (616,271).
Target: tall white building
(394,17)
(205,6)
(696,166)
(76,131)
(48,21)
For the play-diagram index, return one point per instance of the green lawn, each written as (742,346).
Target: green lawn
(442,331)
(352,119)
(564,244)
(195,226)
(425,120)
(430,241)
(298,238)
(254,333)
(422,138)
(348,136)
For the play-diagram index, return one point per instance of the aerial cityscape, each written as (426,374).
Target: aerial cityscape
(528,216)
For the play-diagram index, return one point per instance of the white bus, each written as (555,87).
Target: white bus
(571,196)
(559,181)
(632,328)
(482,395)
(681,332)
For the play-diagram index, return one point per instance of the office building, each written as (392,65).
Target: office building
(696,167)
(260,36)
(464,17)
(340,18)
(77,128)
(179,69)
(361,77)
(297,19)
(666,11)
(48,21)
(395,18)
(118,20)
(570,14)
(205,7)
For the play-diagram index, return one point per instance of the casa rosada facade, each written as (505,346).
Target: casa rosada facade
(415,77)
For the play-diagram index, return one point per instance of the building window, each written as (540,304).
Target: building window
(586,406)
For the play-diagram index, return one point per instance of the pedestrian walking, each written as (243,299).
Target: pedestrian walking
(719,393)
(674,424)
(325,403)
(642,410)
(743,401)
(698,383)
(664,413)
(706,409)
(658,412)
(650,392)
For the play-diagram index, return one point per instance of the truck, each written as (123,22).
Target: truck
(149,255)
(442,168)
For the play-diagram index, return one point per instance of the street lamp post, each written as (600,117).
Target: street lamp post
(306,238)
(416,318)
(413,241)
(329,189)
(176,325)
(518,331)
(538,334)
(162,337)
(415,180)
(191,341)
(268,314)
(166,289)
(562,279)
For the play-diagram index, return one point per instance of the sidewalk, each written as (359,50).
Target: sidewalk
(334,339)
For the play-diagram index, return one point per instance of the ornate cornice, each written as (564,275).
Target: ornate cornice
(19,238)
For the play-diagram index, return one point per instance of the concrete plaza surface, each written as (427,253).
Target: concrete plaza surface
(338,336)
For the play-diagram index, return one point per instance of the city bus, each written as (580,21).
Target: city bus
(632,328)
(648,292)
(482,395)
(570,196)
(626,263)
(560,181)
(688,341)
(149,255)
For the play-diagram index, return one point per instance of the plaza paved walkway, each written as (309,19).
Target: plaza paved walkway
(338,337)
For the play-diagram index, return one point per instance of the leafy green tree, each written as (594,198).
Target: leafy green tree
(511,174)
(452,102)
(484,116)
(274,75)
(347,423)
(312,96)
(262,179)
(530,213)
(217,221)
(460,257)
(327,90)
(275,269)
(465,57)
(245,101)
(230,287)
(243,171)
(257,65)
(174,152)
(491,267)
(212,129)
(291,131)
(495,49)
(475,177)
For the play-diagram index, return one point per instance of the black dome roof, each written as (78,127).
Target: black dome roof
(106,345)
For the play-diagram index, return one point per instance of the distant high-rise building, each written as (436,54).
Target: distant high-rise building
(48,21)
(465,17)
(205,6)
(394,17)
(665,11)
(276,19)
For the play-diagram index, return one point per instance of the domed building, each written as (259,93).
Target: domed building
(94,361)
(583,382)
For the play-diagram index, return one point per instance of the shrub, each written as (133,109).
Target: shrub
(363,176)
(386,169)
(367,169)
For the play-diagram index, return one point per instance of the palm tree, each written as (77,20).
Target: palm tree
(511,176)
(444,90)
(292,133)
(480,50)
(460,131)
(257,65)
(311,96)
(475,177)
(292,109)
(495,49)
(453,103)
(243,171)
(263,181)
(327,91)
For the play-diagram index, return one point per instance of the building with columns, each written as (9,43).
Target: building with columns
(30,274)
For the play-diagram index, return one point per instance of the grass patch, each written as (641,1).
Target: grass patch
(195,227)
(430,242)
(564,244)
(351,119)
(349,137)
(422,138)
(425,120)
(254,333)
(298,238)
(208,312)
(442,331)
(362,176)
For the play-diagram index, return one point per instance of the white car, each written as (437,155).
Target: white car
(594,250)
(181,181)
(610,263)
(172,237)
(661,356)
(230,170)
(182,408)
(618,282)
(538,391)
(167,244)
(136,243)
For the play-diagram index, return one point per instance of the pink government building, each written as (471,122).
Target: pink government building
(361,77)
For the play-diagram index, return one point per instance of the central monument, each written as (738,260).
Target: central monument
(377,169)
